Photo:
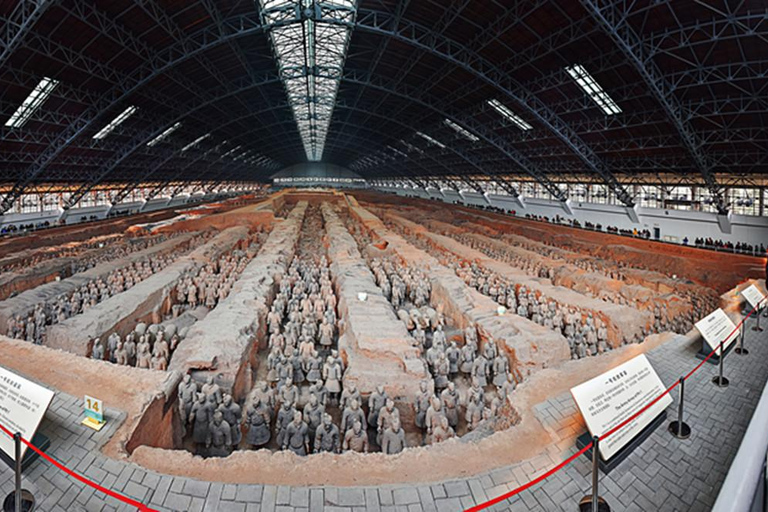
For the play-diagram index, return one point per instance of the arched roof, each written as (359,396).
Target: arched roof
(388,88)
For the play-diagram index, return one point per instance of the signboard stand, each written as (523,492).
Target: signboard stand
(20,500)
(42,443)
(705,350)
(606,466)
(94,413)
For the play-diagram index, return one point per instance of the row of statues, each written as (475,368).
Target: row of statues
(32,326)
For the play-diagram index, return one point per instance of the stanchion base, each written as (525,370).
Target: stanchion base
(685,430)
(720,382)
(757,329)
(27,502)
(585,505)
(741,351)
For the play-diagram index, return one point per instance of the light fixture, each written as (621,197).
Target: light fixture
(160,138)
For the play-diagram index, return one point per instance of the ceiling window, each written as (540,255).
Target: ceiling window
(431,140)
(125,114)
(195,142)
(310,56)
(462,131)
(589,85)
(31,103)
(160,138)
(509,115)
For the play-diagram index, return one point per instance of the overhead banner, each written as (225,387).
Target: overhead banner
(754,296)
(715,328)
(611,398)
(22,407)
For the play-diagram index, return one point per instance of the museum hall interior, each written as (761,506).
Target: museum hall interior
(383,255)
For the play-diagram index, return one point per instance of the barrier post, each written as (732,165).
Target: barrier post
(679,428)
(757,327)
(593,502)
(741,349)
(20,500)
(719,380)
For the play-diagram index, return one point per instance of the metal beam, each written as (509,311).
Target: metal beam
(615,22)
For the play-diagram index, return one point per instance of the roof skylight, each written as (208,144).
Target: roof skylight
(160,138)
(195,142)
(431,140)
(32,102)
(509,115)
(462,131)
(593,89)
(310,57)
(128,112)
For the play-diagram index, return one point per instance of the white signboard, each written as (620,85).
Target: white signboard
(22,406)
(715,328)
(611,398)
(754,296)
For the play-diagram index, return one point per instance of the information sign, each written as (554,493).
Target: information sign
(94,412)
(22,407)
(611,398)
(715,328)
(754,296)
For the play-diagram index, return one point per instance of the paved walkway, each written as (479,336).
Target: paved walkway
(662,474)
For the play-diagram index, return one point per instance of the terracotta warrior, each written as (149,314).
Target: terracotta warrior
(327,436)
(356,439)
(219,440)
(296,437)
(393,438)
(257,424)
(421,403)
(232,415)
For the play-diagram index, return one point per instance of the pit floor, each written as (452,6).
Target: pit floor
(662,474)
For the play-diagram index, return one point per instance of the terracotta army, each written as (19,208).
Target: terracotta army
(319,389)
(257,424)
(500,370)
(284,416)
(327,438)
(356,439)
(434,413)
(453,354)
(112,342)
(296,437)
(376,401)
(332,374)
(353,412)
(200,416)
(467,359)
(315,367)
(313,414)
(144,358)
(97,352)
(421,404)
(451,399)
(386,416)
(158,362)
(393,438)
(442,370)
(187,393)
(474,412)
(232,415)
(509,385)
(210,388)
(442,431)
(480,370)
(219,440)
(350,393)
(288,393)
(265,394)
(121,355)
(130,348)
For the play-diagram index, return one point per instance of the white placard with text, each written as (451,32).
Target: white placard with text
(715,328)
(614,396)
(754,296)
(22,406)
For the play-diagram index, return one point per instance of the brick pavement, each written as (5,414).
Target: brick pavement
(663,474)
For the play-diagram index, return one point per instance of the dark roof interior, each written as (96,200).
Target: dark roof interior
(691,78)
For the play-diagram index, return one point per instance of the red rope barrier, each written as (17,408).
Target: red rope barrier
(124,499)
(621,425)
